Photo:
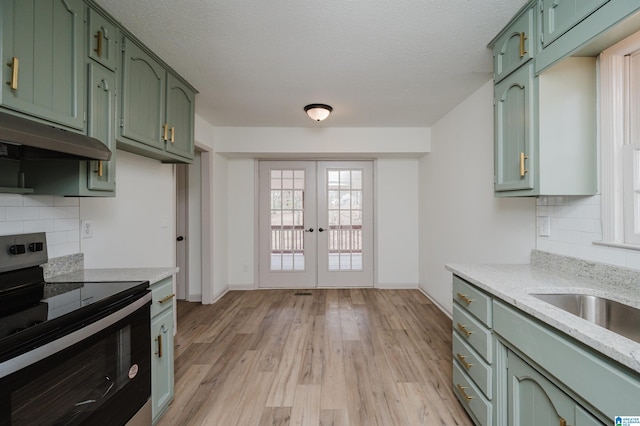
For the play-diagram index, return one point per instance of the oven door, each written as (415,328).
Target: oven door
(101,376)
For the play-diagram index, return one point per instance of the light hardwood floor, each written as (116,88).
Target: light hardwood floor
(326,357)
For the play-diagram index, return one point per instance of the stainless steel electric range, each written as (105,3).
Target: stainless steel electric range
(70,353)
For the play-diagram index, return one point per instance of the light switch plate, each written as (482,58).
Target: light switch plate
(544,226)
(86,229)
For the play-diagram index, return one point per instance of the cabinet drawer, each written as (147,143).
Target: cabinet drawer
(473,332)
(471,397)
(606,385)
(475,367)
(515,46)
(473,300)
(162,296)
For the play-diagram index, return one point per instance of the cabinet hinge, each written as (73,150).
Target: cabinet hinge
(541,6)
(541,39)
(124,43)
(122,122)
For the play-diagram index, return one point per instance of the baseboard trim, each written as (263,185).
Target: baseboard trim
(396,286)
(438,305)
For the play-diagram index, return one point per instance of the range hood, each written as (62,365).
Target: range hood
(25,140)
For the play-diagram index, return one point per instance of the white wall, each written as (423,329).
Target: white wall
(302,142)
(137,227)
(240,211)
(397,222)
(214,249)
(460,220)
(194,242)
(397,261)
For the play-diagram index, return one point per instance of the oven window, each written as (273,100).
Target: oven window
(104,380)
(68,392)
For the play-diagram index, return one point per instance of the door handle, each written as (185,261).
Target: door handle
(320,229)
(308,230)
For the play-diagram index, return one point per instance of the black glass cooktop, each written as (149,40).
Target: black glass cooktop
(61,306)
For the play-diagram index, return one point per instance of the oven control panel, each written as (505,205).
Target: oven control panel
(22,251)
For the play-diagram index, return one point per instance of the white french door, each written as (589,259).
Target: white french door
(315,224)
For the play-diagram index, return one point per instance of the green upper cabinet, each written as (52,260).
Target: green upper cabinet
(180,117)
(143,97)
(515,46)
(101,125)
(42,60)
(514,131)
(567,26)
(559,16)
(102,40)
(158,109)
(84,178)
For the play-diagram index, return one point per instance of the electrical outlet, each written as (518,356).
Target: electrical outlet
(86,229)
(544,226)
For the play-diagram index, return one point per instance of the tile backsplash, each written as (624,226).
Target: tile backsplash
(58,216)
(576,222)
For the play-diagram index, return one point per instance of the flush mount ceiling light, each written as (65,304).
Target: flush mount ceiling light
(318,112)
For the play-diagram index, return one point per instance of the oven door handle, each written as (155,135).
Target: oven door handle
(26,359)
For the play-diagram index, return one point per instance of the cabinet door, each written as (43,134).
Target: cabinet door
(102,40)
(143,97)
(42,59)
(161,362)
(559,16)
(532,400)
(515,46)
(101,125)
(180,117)
(514,130)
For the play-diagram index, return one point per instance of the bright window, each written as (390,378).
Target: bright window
(620,141)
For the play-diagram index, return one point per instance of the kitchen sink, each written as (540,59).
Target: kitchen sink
(617,317)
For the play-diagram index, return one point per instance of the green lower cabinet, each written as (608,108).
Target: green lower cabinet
(535,375)
(161,363)
(533,400)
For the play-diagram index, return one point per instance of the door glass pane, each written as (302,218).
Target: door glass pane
(344,216)
(287,220)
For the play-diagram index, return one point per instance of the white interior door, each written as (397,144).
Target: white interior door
(345,224)
(315,224)
(287,222)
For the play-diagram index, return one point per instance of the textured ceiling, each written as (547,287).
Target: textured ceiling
(379,63)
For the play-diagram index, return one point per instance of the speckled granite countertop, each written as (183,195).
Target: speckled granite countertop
(514,284)
(116,274)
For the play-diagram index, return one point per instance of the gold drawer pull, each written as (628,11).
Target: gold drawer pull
(166,299)
(14,73)
(523,38)
(159,340)
(98,48)
(563,422)
(165,131)
(172,139)
(463,361)
(463,393)
(523,171)
(465,298)
(464,330)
